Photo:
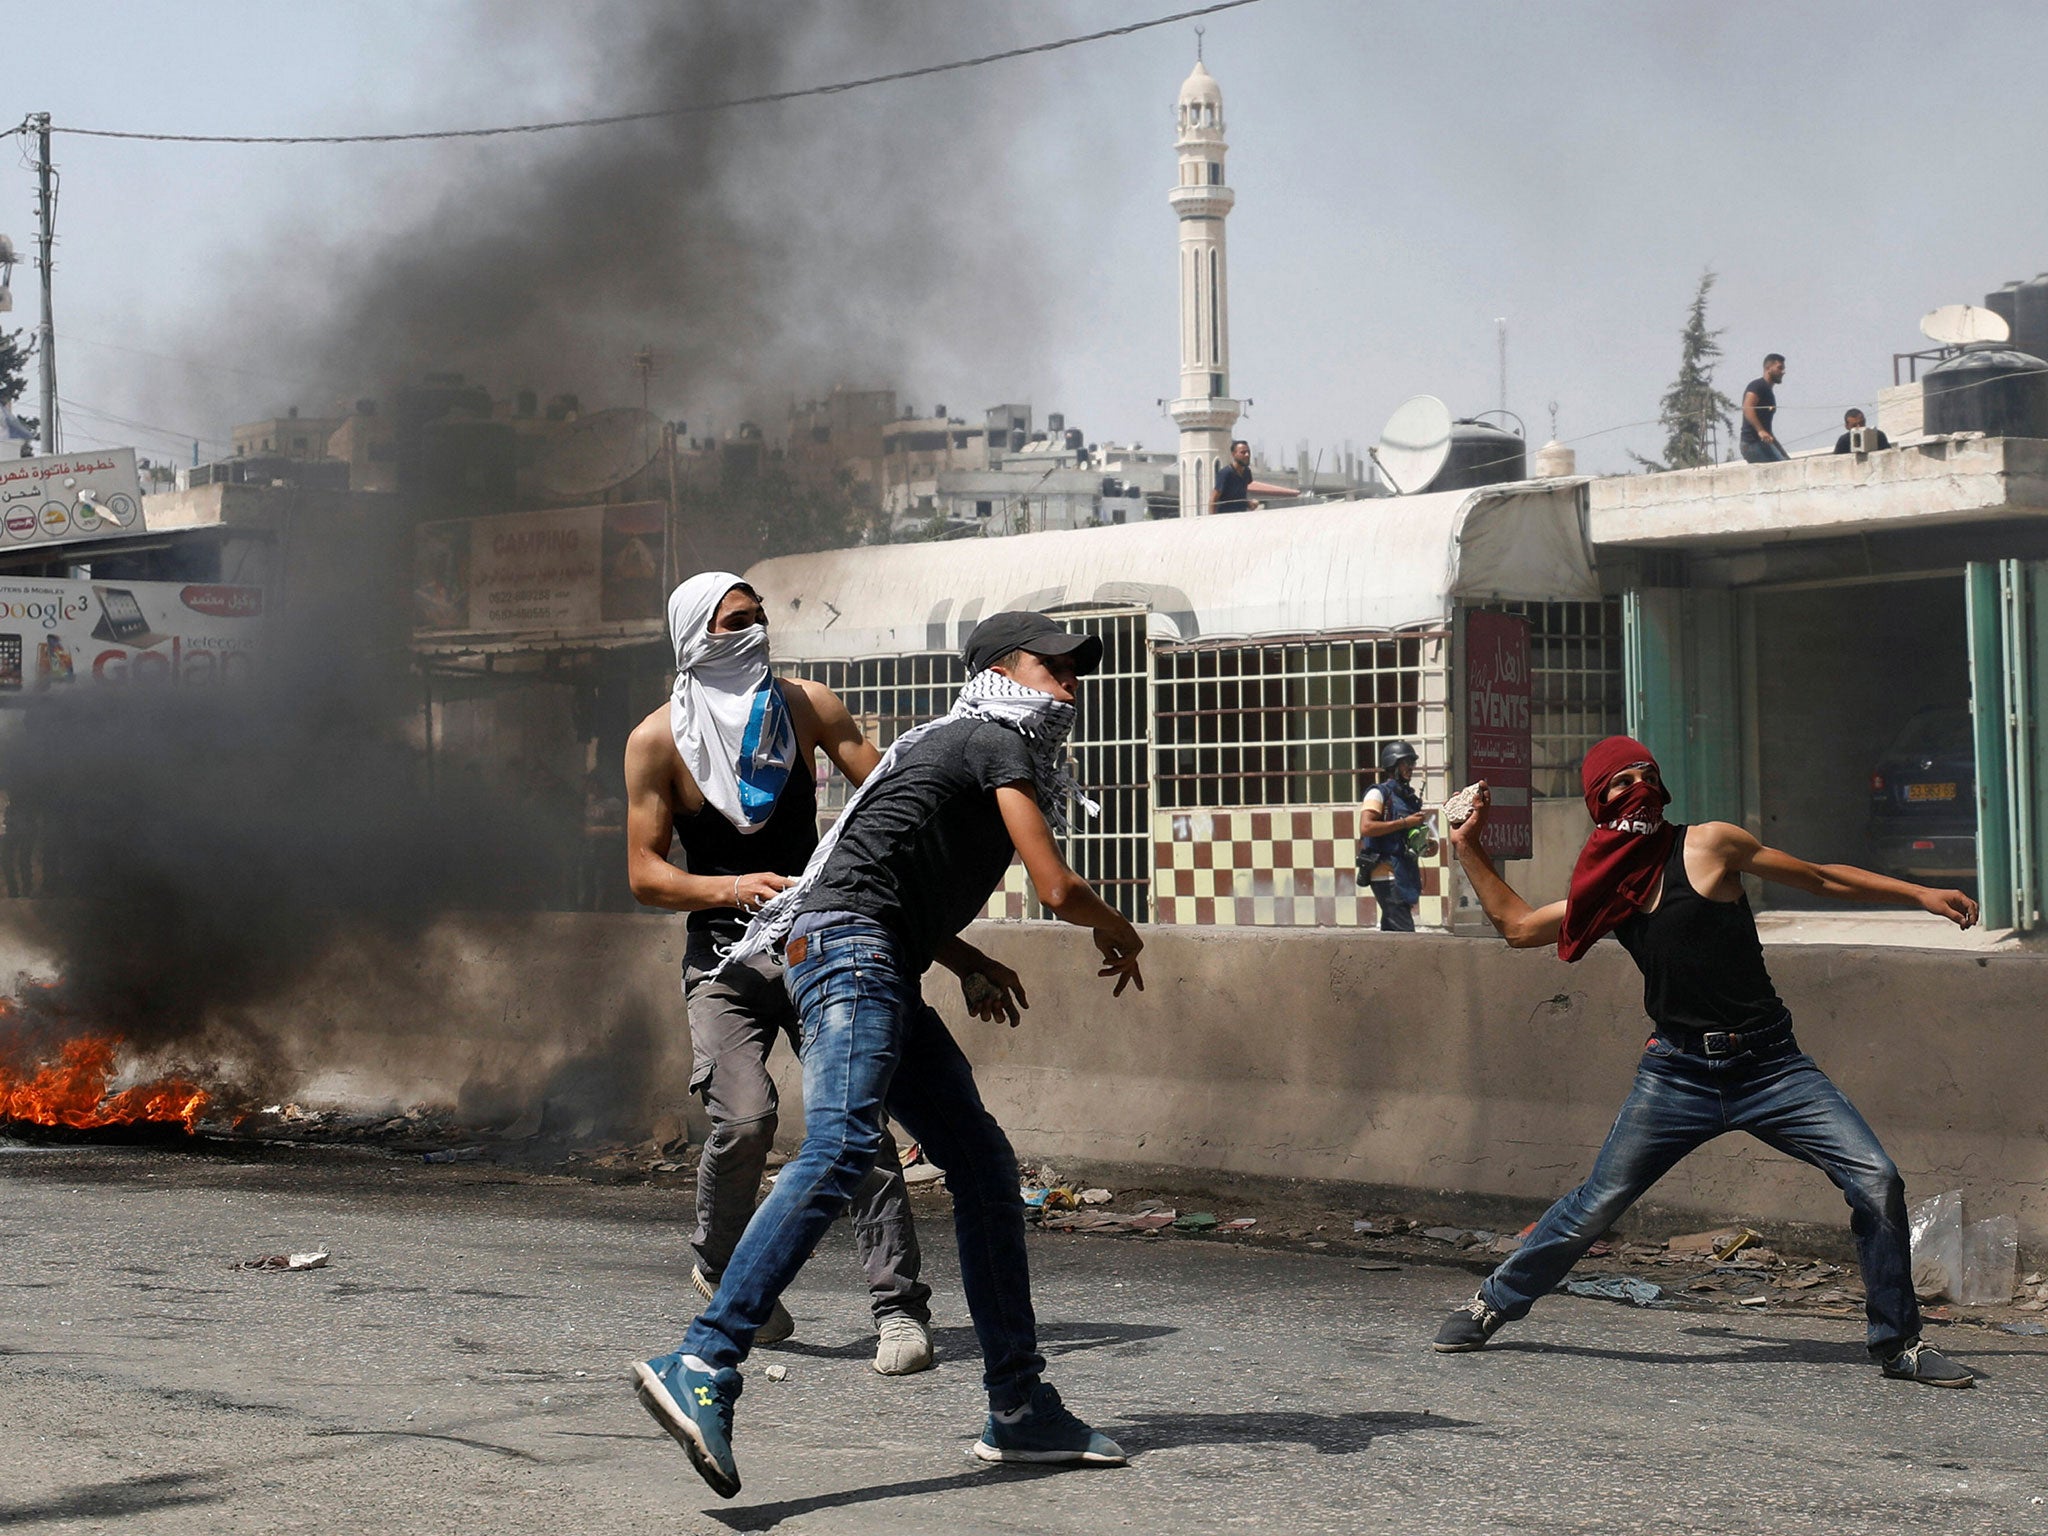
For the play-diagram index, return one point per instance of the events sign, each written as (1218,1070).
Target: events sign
(60,635)
(566,570)
(1498,746)
(66,498)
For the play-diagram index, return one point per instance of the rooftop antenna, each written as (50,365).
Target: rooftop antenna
(1198,43)
(1553,419)
(1502,323)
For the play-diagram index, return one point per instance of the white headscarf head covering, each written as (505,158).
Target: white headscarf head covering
(728,717)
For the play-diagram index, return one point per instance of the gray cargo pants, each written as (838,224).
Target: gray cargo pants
(734,1019)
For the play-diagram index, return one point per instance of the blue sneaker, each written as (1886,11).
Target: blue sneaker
(1046,1432)
(694,1404)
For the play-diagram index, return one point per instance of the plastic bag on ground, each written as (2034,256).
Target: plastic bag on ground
(1991,1261)
(1936,1227)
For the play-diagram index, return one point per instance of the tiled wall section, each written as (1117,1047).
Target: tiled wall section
(1290,868)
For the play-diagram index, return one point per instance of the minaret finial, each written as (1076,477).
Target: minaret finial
(1198,43)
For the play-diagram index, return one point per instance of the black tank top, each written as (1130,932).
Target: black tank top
(1702,963)
(711,846)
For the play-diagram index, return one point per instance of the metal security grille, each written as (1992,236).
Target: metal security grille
(886,695)
(1294,722)
(1576,685)
(1112,747)
(1111,744)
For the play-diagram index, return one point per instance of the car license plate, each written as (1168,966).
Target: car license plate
(1930,791)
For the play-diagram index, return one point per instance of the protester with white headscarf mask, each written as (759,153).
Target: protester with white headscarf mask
(725,769)
(729,720)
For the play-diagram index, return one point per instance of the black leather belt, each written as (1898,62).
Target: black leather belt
(1732,1042)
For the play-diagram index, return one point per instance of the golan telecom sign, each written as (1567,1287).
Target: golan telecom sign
(67,498)
(59,635)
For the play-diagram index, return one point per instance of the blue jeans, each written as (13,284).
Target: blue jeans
(1681,1102)
(872,1048)
(1761,452)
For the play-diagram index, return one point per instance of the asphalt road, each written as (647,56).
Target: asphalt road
(460,1365)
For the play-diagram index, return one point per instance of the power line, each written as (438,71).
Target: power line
(171,433)
(191,362)
(653,114)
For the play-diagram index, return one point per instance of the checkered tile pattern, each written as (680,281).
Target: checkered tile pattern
(1291,868)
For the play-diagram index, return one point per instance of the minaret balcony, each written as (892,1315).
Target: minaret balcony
(1203,202)
(1203,411)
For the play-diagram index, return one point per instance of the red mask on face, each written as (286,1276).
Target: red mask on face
(1618,868)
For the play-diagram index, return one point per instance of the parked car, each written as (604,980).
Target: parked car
(1923,799)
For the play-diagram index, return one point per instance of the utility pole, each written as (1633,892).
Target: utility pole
(46,212)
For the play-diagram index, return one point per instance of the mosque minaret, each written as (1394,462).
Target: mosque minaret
(1204,409)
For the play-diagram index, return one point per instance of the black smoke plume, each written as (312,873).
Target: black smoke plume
(208,847)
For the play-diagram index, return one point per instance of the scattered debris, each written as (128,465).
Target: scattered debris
(777,1373)
(1096,1197)
(923,1173)
(1241,1224)
(1195,1221)
(1972,1263)
(286,1261)
(1379,1268)
(1752,1301)
(2027,1329)
(453,1155)
(1367,1228)
(1637,1293)
(1456,1235)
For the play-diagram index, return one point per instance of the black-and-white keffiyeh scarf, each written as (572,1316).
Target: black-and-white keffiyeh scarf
(1042,720)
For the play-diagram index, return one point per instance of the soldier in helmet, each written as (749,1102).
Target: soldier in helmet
(1392,839)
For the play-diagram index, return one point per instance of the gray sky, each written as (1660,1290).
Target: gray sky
(1405,173)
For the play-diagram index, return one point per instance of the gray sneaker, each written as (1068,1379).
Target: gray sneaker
(1468,1328)
(1928,1366)
(780,1324)
(904,1346)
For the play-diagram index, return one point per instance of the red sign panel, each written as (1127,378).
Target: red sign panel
(1498,748)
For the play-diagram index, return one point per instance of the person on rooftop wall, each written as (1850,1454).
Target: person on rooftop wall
(1721,1054)
(1759,438)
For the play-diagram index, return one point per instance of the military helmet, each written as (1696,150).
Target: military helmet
(1397,752)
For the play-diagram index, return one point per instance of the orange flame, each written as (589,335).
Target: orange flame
(72,1092)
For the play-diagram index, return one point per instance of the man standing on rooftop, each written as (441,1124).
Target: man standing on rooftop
(1760,444)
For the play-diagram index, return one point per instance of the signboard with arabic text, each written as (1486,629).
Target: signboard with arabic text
(67,498)
(1497,730)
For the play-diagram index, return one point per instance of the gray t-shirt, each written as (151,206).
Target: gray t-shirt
(928,845)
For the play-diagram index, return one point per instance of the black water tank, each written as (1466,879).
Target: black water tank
(1481,454)
(2030,316)
(1990,388)
(2003,302)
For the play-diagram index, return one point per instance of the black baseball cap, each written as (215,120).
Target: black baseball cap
(1001,633)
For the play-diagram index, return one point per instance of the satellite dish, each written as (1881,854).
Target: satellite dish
(1415,444)
(1957,325)
(596,452)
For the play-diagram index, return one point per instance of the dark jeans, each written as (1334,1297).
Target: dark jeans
(735,1017)
(1396,915)
(1764,453)
(1681,1102)
(871,1047)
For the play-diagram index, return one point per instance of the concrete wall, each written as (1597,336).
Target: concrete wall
(1434,1062)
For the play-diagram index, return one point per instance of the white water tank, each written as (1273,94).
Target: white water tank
(1554,461)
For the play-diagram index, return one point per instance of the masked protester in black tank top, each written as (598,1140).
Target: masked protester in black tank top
(1702,963)
(712,846)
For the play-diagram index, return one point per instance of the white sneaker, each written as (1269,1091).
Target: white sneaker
(780,1324)
(905,1346)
